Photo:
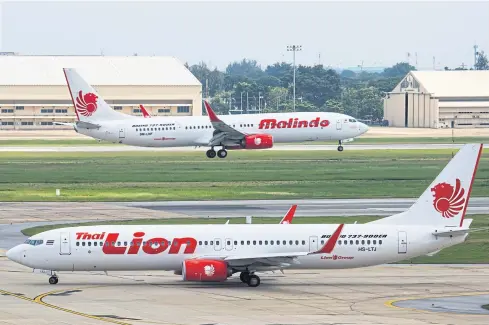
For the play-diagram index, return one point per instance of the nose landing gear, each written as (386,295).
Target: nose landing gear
(53,279)
(340,147)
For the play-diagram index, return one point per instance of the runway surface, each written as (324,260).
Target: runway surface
(358,296)
(117,148)
(306,208)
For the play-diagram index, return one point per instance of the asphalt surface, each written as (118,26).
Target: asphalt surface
(116,148)
(457,305)
(305,208)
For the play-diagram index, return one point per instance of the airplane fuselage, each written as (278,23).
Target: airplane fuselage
(126,248)
(197,130)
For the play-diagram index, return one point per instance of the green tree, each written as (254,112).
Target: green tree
(481,63)
(398,70)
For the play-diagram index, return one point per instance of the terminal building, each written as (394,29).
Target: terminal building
(439,99)
(34,94)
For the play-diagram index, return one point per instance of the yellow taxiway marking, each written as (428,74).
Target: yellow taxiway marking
(39,300)
(390,303)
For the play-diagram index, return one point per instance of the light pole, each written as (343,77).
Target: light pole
(294,48)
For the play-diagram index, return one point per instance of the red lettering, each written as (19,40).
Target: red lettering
(267,124)
(190,243)
(162,246)
(314,123)
(324,123)
(136,243)
(79,235)
(292,123)
(303,124)
(109,245)
(282,125)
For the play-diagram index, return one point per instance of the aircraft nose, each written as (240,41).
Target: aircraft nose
(363,127)
(13,254)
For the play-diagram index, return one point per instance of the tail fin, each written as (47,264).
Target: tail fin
(89,105)
(287,219)
(445,201)
(144,111)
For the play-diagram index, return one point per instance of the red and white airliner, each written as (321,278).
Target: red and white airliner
(215,252)
(96,119)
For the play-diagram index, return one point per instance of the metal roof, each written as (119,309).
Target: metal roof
(455,83)
(25,70)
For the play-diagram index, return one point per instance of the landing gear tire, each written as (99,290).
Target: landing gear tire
(244,277)
(253,281)
(340,147)
(53,280)
(222,153)
(210,153)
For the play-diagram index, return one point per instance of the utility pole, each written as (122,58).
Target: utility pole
(294,48)
(475,55)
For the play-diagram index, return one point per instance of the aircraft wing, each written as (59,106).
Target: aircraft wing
(223,131)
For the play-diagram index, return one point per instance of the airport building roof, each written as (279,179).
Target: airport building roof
(26,70)
(455,83)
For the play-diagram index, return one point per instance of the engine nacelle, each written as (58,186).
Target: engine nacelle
(205,270)
(257,141)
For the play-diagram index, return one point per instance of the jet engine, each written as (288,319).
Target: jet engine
(257,141)
(205,270)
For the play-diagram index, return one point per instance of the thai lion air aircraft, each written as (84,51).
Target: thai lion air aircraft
(215,252)
(96,119)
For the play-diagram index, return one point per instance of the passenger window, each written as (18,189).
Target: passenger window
(235,242)
(291,242)
(303,242)
(89,243)
(83,243)
(297,242)
(339,242)
(375,242)
(284,242)
(368,242)
(357,242)
(254,242)
(200,243)
(351,242)
(271,242)
(211,242)
(363,242)
(205,242)
(77,244)
(248,242)
(322,242)
(266,242)
(259,242)
(380,242)
(228,242)
(242,242)
(118,243)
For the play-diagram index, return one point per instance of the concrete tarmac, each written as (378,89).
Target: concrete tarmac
(288,147)
(358,296)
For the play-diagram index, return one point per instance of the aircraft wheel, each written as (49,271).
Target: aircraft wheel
(244,277)
(53,280)
(253,281)
(222,153)
(210,153)
(340,148)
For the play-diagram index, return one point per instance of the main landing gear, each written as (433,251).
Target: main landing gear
(53,279)
(211,153)
(251,279)
(340,147)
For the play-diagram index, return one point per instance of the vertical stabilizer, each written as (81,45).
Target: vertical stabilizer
(89,105)
(445,201)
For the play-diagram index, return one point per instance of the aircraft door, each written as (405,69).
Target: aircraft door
(229,244)
(122,133)
(64,244)
(339,125)
(313,243)
(217,244)
(402,242)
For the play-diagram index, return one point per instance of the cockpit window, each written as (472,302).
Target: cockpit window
(352,120)
(35,242)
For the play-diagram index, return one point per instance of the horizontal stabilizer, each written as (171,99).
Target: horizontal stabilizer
(87,125)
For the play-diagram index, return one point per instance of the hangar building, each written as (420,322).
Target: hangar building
(34,94)
(440,99)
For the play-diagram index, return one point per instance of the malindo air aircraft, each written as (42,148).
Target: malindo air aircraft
(96,119)
(215,252)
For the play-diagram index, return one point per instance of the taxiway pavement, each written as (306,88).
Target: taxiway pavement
(357,296)
(292,147)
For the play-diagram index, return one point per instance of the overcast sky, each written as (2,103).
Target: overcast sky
(335,33)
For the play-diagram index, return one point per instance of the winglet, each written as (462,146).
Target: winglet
(212,116)
(289,216)
(143,110)
(331,243)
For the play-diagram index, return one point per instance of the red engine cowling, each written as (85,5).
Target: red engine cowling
(258,141)
(205,270)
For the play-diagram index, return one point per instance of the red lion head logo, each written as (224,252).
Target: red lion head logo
(86,104)
(447,200)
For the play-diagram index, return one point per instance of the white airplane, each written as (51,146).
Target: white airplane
(215,252)
(96,119)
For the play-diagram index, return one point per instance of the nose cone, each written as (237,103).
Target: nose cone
(13,254)
(362,127)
